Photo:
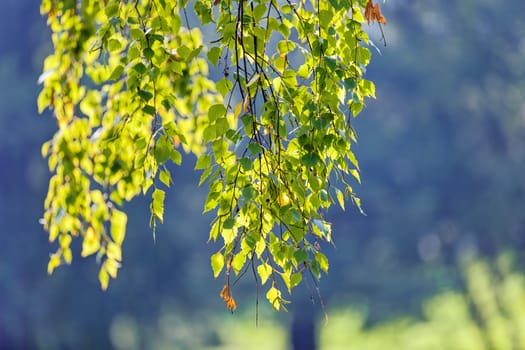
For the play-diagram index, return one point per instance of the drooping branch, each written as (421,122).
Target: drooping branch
(129,86)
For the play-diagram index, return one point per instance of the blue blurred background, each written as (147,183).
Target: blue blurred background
(437,262)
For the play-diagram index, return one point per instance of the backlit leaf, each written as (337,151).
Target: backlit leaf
(203,162)
(54,262)
(118,226)
(90,243)
(274,297)
(103,278)
(264,271)
(157,204)
(217,263)
(130,87)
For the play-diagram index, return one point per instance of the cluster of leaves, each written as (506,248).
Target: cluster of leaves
(128,84)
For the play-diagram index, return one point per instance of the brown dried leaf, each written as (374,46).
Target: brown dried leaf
(231,304)
(373,13)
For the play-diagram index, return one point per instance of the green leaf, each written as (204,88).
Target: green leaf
(246,164)
(216,111)
(137,34)
(255,148)
(117,72)
(157,204)
(119,220)
(224,86)
(310,159)
(103,278)
(133,53)
(211,201)
(203,11)
(140,68)
(304,71)
(229,235)
(274,297)
(145,95)
(148,109)
(340,198)
(356,108)
(228,223)
(249,192)
(44,101)
(300,256)
(175,156)
(322,260)
(111,10)
(111,266)
(238,262)
(265,271)
(184,52)
(221,126)
(165,177)
(54,262)
(148,53)
(113,251)
(296,279)
(259,11)
(247,121)
(357,202)
(209,133)
(114,45)
(162,150)
(355,174)
(217,263)
(214,232)
(285,46)
(203,162)
(90,243)
(214,54)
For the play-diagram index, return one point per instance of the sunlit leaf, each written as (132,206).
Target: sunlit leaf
(265,271)
(274,297)
(111,266)
(238,262)
(157,204)
(54,262)
(203,162)
(322,260)
(118,225)
(114,251)
(90,243)
(103,278)
(131,88)
(217,263)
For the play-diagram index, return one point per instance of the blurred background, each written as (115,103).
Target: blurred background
(437,263)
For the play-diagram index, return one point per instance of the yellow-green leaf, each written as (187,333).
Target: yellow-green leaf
(217,263)
(91,243)
(322,260)
(274,297)
(340,198)
(54,262)
(118,226)
(114,251)
(238,262)
(111,267)
(264,271)
(103,278)
(157,204)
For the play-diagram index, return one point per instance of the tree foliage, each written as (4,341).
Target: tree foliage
(130,85)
